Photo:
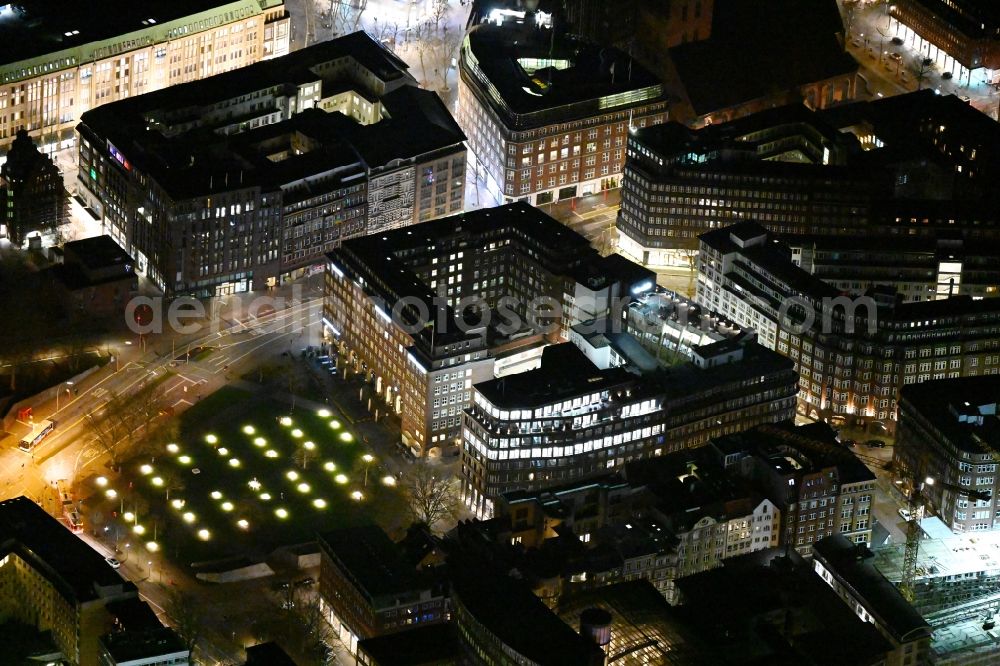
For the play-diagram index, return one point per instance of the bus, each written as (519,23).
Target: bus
(37,434)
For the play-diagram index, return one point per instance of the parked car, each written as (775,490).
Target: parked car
(905,514)
(875,444)
(113,563)
(850,443)
(304,582)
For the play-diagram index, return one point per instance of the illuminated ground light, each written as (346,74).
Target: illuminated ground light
(177,503)
(243,524)
(216,495)
(146,469)
(303,487)
(319,503)
(211,439)
(291,475)
(152,546)
(309,446)
(249,429)
(389,480)
(157,481)
(173,448)
(357,496)
(281,513)
(259,441)
(101,481)
(346,437)
(128,516)
(138,529)
(223,451)
(271,453)
(227,506)
(254,484)
(286,420)
(265,496)
(234,462)
(341,479)
(188,517)
(184,460)
(296,433)
(204,534)
(330,466)
(323,413)
(334,424)
(111,493)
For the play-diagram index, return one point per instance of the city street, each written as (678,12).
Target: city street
(872,31)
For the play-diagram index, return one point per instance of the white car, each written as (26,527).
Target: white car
(113,563)
(905,514)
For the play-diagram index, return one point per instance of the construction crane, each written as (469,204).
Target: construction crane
(915,507)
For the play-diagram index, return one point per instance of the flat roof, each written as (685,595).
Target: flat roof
(77,571)
(98,252)
(580,73)
(779,45)
(940,401)
(429,644)
(33,28)
(373,560)
(130,645)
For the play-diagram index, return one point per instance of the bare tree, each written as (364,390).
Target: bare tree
(444,47)
(186,618)
(304,455)
(439,11)
(123,419)
(921,68)
(430,497)
(345,15)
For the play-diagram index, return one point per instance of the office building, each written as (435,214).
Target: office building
(570,420)
(785,168)
(949,431)
(60,60)
(225,184)
(33,199)
(818,485)
(547,114)
(771,608)
(517,279)
(367,588)
(758,56)
(155,647)
(960,36)
(853,355)
(919,166)
(56,583)
(848,568)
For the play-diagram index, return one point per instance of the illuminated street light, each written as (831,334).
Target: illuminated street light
(303,487)
(146,469)
(101,481)
(389,480)
(286,420)
(211,439)
(188,517)
(357,495)
(138,529)
(296,433)
(368,458)
(249,429)
(335,424)
(204,534)
(216,495)
(223,451)
(259,441)
(152,546)
(346,437)
(184,460)
(309,446)
(281,513)
(111,493)
(319,503)
(128,516)
(270,453)
(330,466)
(227,506)
(341,479)
(254,484)
(291,475)
(323,413)
(157,481)
(173,448)
(265,496)
(242,523)
(234,462)
(177,503)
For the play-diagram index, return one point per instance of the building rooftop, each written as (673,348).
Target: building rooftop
(268,654)
(756,50)
(558,78)
(962,410)
(853,565)
(766,609)
(132,646)
(372,560)
(98,252)
(34,28)
(194,158)
(428,644)
(77,571)
(508,609)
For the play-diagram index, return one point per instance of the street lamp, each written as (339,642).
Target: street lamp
(59,392)
(368,458)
